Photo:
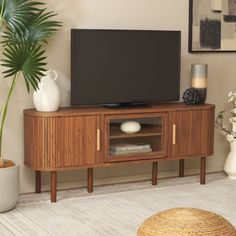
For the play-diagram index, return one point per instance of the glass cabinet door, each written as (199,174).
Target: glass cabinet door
(136,137)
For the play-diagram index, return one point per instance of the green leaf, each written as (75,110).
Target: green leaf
(16,13)
(38,28)
(26,58)
(41,26)
(220,115)
(28,26)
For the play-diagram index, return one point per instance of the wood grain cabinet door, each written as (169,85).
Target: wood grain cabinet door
(191,133)
(71,141)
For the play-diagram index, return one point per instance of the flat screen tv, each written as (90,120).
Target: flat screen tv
(124,66)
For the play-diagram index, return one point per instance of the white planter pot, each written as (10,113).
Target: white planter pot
(9,187)
(230,164)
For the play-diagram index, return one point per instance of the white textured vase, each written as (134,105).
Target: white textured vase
(230,164)
(47,97)
(9,187)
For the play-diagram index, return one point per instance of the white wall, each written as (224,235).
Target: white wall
(121,14)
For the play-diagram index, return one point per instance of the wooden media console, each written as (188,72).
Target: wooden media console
(77,138)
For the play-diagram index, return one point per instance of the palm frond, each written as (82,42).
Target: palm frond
(27,25)
(26,58)
(16,12)
(41,26)
(12,36)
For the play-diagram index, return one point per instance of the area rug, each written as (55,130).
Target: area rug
(116,210)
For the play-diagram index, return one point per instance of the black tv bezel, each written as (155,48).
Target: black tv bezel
(131,102)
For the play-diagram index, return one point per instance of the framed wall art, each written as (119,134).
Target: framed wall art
(212,26)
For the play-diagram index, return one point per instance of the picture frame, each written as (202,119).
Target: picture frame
(212,26)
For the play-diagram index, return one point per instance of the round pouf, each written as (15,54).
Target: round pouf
(185,222)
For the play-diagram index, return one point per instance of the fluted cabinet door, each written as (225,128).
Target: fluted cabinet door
(191,133)
(61,142)
(72,141)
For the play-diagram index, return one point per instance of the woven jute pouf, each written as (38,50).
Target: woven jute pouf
(186,222)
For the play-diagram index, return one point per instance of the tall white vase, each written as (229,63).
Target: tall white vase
(47,97)
(230,164)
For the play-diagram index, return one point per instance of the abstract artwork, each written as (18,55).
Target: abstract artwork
(212,25)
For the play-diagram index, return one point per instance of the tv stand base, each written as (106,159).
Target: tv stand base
(90,177)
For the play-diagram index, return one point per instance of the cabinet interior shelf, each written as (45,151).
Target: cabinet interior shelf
(146,131)
(134,155)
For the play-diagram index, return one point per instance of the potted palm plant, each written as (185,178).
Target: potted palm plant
(25,26)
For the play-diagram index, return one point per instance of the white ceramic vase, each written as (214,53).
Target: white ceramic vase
(47,97)
(9,187)
(230,164)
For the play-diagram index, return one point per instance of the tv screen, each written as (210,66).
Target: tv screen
(124,66)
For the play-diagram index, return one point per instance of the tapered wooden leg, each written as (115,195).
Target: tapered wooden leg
(203,171)
(90,180)
(53,186)
(154,173)
(38,181)
(181,168)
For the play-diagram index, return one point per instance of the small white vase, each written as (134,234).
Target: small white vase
(130,127)
(230,164)
(47,97)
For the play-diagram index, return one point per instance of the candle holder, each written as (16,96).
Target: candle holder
(199,79)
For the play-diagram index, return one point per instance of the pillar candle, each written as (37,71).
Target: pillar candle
(199,79)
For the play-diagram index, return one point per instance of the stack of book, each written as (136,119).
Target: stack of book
(126,149)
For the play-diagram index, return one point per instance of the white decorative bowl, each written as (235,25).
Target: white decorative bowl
(130,127)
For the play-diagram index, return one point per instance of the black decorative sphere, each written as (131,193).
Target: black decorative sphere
(192,96)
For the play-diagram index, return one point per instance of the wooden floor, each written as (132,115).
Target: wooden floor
(116,209)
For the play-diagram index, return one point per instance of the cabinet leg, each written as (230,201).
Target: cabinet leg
(37,181)
(53,186)
(203,171)
(181,168)
(90,180)
(154,173)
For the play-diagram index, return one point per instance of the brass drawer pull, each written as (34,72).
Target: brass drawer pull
(174,134)
(98,139)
